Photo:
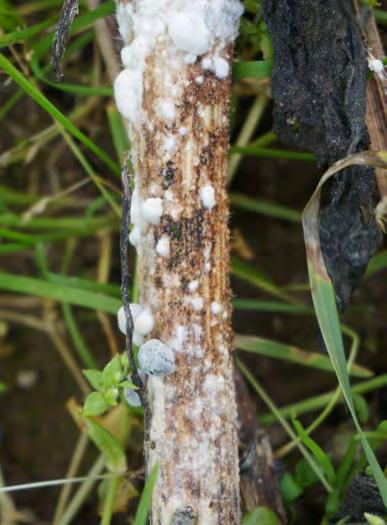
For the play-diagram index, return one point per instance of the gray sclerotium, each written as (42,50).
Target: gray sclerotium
(156,358)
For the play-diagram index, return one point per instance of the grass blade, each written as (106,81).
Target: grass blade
(61,293)
(325,303)
(54,112)
(141,517)
(291,354)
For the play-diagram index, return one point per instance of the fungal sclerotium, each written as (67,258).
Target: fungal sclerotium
(132,397)
(156,358)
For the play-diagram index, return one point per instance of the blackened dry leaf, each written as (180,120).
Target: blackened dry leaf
(69,11)
(319,91)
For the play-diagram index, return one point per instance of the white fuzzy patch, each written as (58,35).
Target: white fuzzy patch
(167,109)
(128,93)
(199,79)
(207,196)
(207,63)
(221,67)
(169,144)
(121,319)
(193,286)
(135,236)
(377,67)
(189,32)
(195,302)
(183,131)
(163,246)
(152,210)
(143,322)
(216,308)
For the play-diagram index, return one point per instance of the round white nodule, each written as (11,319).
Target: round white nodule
(156,358)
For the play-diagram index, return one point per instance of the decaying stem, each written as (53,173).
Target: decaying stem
(174,92)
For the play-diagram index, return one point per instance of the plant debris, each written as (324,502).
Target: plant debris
(319,90)
(70,10)
(362,496)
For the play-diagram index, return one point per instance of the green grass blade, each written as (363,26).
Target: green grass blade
(264,208)
(54,112)
(291,354)
(251,69)
(22,34)
(271,306)
(324,301)
(79,343)
(144,504)
(268,153)
(258,279)
(41,288)
(377,263)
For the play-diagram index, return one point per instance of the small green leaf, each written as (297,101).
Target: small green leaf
(128,384)
(290,488)
(111,396)
(320,456)
(374,520)
(261,516)
(94,377)
(112,373)
(2,387)
(95,404)
(108,445)
(146,497)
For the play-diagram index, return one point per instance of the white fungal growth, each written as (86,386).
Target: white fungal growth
(132,397)
(207,63)
(152,210)
(121,318)
(183,131)
(377,67)
(216,308)
(156,358)
(135,236)
(128,93)
(143,322)
(221,67)
(207,196)
(190,59)
(189,32)
(195,302)
(193,31)
(199,79)
(163,246)
(167,109)
(169,144)
(124,23)
(193,286)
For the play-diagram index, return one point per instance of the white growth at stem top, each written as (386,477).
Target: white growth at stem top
(193,31)
(156,358)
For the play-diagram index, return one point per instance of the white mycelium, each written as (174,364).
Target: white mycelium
(193,30)
(152,210)
(163,246)
(207,196)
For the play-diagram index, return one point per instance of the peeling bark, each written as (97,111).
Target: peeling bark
(179,138)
